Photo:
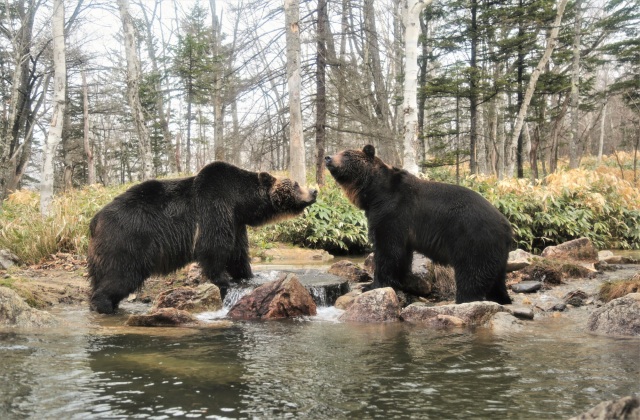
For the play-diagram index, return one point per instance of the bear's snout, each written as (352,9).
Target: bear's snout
(332,162)
(313,194)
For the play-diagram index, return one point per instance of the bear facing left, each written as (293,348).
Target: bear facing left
(159,226)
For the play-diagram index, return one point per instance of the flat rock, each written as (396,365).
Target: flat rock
(378,305)
(620,317)
(7,259)
(203,298)
(505,322)
(15,312)
(472,313)
(526,287)
(580,249)
(163,317)
(521,312)
(285,297)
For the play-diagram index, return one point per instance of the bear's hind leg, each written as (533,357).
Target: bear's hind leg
(238,264)
(498,292)
(471,286)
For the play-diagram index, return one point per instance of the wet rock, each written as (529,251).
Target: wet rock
(205,297)
(345,301)
(526,287)
(549,303)
(283,298)
(626,408)
(379,305)
(350,271)
(576,298)
(521,312)
(578,249)
(7,259)
(297,254)
(472,313)
(518,260)
(505,322)
(620,317)
(163,317)
(425,276)
(14,312)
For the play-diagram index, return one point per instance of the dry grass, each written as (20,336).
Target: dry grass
(614,290)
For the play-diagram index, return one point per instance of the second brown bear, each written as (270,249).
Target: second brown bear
(450,224)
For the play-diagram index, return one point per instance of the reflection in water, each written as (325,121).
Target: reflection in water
(309,369)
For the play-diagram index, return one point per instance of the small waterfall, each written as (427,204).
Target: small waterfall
(319,295)
(234,294)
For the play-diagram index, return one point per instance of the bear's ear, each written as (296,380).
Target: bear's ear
(266,180)
(369,151)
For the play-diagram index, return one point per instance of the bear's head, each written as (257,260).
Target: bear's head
(354,170)
(287,196)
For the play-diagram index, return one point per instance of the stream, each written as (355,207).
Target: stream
(315,368)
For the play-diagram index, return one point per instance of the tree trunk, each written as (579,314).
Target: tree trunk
(91,167)
(411,19)
(551,42)
(575,89)
(133,89)
(59,102)
(218,103)
(473,91)
(321,94)
(296,141)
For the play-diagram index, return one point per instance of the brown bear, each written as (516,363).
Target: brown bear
(450,224)
(158,226)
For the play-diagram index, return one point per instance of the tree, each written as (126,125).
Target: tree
(59,101)
(321,91)
(411,19)
(133,88)
(296,140)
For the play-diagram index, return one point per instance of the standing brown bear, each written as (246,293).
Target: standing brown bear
(450,224)
(157,227)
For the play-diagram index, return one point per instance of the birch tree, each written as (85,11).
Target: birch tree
(551,42)
(575,88)
(59,97)
(296,141)
(133,88)
(411,20)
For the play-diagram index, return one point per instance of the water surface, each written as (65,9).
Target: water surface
(316,368)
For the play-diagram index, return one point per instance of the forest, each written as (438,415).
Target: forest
(153,88)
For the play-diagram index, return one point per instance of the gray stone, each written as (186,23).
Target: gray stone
(578,249)
(518,260)
(620,317)
(521,312)
(626,408)
(205,297)
(472,313)
(350,271)
(526,287)
(7,259)
(378,305)
(14,312)
(505,322)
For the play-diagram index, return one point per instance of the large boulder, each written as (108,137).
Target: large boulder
(282,298)
(205,297)
(472,313)
(626,408)
(518,260)
(580,249)
(14,312)
(163,317)
(378,305)
(620,317)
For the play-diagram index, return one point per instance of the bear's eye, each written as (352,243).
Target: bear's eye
(295,185)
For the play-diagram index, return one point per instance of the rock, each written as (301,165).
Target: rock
(578,249)
(7,259)
(549,303)
(472,313)
(205,297)
(350,271)
(626,408)
(378,305)
(521,312)
(505,322)
(345,301)
(425,276)
(282,298)
(14,312)
(526,287)
(620,317)
(576,298)
(518,260)
(163,317)
(297,254)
